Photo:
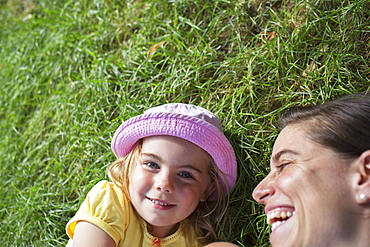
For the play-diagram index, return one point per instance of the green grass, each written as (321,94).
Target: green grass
(71,72)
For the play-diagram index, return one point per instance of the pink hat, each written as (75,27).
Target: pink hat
(190,122)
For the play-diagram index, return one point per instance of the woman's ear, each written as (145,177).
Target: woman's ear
(363,181)
(208,192)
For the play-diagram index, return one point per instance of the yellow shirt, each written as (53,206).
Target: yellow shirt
(107,207)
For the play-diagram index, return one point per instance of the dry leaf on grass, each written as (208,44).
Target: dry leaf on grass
(153,48)
(268,35)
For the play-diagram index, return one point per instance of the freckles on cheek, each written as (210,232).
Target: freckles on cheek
(289,181)
(294,176)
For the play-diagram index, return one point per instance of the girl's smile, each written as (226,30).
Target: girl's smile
(161,204)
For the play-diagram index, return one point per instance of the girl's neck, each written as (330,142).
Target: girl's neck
(162,231)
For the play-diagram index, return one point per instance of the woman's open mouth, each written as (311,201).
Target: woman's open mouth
(277,217)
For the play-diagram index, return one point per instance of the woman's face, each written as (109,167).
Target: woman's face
(307,193)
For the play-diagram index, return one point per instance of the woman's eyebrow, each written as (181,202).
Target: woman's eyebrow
(277,156)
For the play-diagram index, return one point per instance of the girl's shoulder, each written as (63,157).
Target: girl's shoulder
(105,188)
(107,207)
(102,184)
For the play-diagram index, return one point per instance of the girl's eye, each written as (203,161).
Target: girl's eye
(151,165)
(185,175)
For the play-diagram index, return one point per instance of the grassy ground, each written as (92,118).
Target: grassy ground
(72,71)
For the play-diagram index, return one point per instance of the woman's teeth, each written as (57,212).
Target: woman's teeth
(276,218)
(276,224)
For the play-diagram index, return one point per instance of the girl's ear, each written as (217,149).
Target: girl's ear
(210,189)
(363,178)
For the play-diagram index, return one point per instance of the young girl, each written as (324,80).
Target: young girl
(169,185)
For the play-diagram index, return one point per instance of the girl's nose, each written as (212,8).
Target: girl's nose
(264,190)
(164,183)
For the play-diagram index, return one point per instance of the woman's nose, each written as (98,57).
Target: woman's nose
(264,190)
(164,182)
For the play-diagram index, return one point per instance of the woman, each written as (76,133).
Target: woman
(318,189)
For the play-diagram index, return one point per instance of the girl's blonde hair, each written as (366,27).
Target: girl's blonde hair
(206,216)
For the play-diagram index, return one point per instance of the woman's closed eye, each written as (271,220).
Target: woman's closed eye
(282,165)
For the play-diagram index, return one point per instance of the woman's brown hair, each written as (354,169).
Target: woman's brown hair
(342,125)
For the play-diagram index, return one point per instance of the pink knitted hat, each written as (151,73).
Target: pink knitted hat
(190,122)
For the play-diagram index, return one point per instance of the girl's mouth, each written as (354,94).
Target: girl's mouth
(160,203)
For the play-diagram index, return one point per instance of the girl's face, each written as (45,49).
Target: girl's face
(168,182)
(307,194)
